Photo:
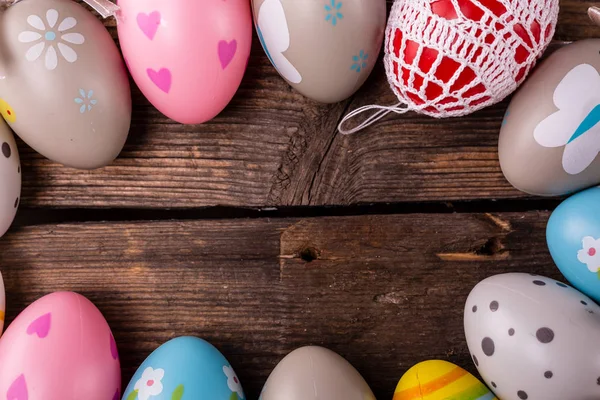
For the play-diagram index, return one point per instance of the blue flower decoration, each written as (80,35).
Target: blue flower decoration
(333,12)
(86,100)
(360,61)
(505,120)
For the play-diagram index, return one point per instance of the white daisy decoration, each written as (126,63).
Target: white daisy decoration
(49,35)
(150,384)
(590,253)
(233,382)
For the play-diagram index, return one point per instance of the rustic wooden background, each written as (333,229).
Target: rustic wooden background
(265,230)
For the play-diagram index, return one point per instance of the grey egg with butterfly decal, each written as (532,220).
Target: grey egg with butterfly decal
(550,137)
(325,49)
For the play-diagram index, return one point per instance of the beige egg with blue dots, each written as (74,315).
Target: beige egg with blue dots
(532,337)
(325,49)
(10,175)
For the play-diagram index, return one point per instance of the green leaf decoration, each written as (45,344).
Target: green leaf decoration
(234,396)
(132,395)
(177,394)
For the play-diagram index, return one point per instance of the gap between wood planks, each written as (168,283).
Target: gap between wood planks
(39,216)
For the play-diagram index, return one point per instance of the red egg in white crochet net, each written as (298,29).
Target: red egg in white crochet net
(448,58)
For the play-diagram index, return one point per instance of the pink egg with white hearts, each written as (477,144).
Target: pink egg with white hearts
(188,57)
(59,348)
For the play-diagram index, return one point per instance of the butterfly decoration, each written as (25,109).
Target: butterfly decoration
(274,35)
(576,124)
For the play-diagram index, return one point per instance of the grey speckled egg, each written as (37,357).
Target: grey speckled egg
(10,177)
(325,49)
(315,373)
(65,89)
(550,137)
(532,337)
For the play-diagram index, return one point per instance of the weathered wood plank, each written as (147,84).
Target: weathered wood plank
(384,291)
(272,147)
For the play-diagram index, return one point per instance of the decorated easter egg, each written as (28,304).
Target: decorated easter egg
(185,368)
(310,370)
(440,380)
(2,302)
(532,337)
(10,177)
(448,58)
(188,57)
(573,235)
(65,89)
(60,347)
(324,49)
(552,148)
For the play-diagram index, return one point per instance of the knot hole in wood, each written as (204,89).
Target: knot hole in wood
(492,247)
(309,254)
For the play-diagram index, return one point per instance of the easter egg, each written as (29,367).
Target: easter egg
(552,148)
(325,49)
(2,302)
(10,177)
(188,57)
(532,337)
(310,370)
(447,58)
(185,368)
(573,235)
(65,89)
(60,347)
(440,380)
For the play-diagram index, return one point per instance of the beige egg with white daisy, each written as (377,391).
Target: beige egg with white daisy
(64,86)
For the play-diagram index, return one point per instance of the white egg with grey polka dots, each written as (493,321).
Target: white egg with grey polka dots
(534,338)
(10,177)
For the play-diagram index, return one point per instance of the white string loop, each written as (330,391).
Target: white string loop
(452,65)
(381,112)
(7,3)
(105,8)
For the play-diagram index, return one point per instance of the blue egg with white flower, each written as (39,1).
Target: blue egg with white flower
(573,235)
(185,368)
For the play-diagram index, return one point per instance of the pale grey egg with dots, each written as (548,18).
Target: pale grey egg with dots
(532,337)
(10,177)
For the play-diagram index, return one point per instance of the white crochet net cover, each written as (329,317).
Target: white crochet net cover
(447,58)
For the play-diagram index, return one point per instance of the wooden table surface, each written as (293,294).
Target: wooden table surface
(265,230)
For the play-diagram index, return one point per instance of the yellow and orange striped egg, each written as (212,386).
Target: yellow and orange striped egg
(440,380)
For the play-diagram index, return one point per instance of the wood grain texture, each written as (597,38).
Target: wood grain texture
(384,291)
(272,147)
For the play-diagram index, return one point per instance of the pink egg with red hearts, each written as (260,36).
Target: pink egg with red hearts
(59,348)
(188,57)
